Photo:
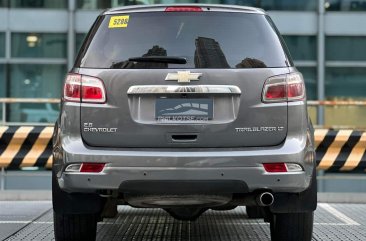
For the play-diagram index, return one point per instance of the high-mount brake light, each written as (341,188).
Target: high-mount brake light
(283,88)
(82,88)
(183,9)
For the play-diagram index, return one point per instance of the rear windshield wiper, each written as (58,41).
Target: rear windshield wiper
(160,59)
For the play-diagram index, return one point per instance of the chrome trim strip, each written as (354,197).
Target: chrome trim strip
(173,89)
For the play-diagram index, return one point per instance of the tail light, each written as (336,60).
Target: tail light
(72,88)
(82,88)
(183,9)
(289,87)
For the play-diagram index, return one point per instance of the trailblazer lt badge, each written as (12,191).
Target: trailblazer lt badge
(260,129)
(183,76)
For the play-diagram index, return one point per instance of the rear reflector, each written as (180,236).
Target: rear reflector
(92,167)
(183,9)
(82,88)
(275,167)
(282,167)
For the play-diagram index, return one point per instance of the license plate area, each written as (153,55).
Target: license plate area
(183,109)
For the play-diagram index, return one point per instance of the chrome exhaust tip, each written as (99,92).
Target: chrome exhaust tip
(265,199)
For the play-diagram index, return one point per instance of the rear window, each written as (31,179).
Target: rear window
(202,39)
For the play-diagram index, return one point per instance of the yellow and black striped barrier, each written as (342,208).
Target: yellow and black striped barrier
(340,150)
(27,146)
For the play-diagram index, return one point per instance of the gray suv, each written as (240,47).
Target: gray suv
(184,108)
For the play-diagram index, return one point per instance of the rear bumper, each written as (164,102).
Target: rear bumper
(135,179)
(239,165)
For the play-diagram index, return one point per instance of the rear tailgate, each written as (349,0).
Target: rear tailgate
(238,119)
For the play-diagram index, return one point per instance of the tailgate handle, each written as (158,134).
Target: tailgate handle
(184,138)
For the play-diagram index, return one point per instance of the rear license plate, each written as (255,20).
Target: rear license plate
(183,109)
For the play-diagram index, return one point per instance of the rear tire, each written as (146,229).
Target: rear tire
(70,222)
(72,227)
(292,226)
(254,212)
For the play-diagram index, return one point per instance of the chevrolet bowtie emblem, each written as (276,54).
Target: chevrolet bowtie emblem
(183,76)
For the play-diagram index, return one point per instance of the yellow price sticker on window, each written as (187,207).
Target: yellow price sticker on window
(119,21)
